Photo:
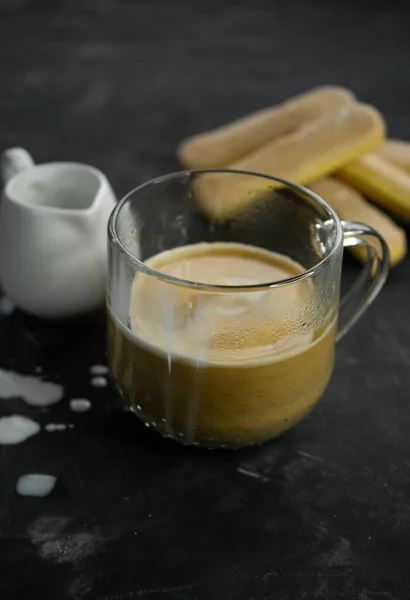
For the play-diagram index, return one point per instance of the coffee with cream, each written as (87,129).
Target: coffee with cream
(219,366)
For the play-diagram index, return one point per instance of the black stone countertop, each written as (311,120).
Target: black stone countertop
(117,85)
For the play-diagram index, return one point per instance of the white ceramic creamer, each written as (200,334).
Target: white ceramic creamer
(53,235)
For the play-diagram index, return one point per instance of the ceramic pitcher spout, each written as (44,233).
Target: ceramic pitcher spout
(13,161)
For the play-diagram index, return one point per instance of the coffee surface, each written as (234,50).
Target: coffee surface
(223,325)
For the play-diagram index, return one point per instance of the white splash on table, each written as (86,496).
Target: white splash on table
(80,405)
(16,429)
(31,389)
(36,485)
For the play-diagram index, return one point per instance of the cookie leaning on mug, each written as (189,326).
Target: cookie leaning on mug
(315,150)
(396,152)
(351,205)
(381,180)
(231,142)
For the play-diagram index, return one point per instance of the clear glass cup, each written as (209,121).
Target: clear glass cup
(242,391)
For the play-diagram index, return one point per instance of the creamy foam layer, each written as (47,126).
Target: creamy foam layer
(232,326)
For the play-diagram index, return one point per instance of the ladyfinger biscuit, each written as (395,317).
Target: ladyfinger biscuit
(381,180)
(227,144)
(351,205)
(396,152)
(316,149)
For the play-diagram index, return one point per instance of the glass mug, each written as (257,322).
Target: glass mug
(221,333)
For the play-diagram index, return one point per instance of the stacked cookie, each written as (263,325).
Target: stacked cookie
(324,139)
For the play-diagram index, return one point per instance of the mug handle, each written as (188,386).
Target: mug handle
(370,282)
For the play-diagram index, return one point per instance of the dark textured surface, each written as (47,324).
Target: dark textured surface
(117,85)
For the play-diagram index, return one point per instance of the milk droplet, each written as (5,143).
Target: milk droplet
(80,405)
(51,427)
(99,382)
(98,370)
(36,485)
(31,389)
(16,429)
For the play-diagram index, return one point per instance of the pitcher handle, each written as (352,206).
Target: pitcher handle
(372,278)
(13,161)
